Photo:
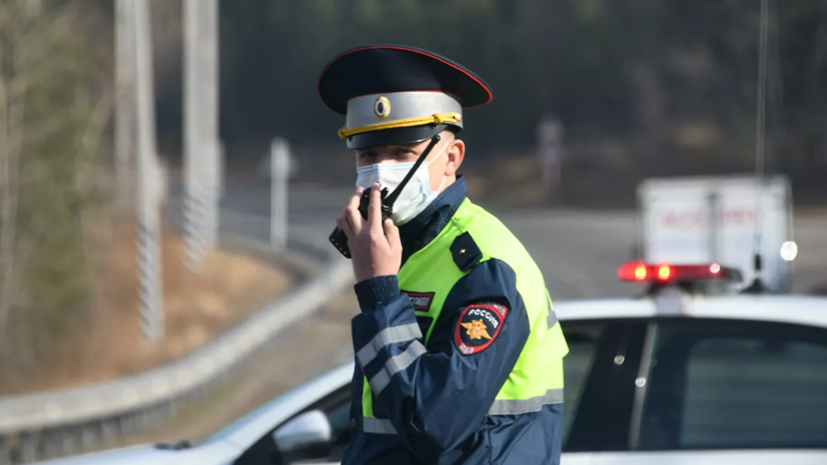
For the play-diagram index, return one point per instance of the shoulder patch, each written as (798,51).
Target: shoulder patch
(478,326)
(465,252)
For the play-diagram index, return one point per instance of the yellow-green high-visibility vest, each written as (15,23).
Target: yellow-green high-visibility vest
(537,377)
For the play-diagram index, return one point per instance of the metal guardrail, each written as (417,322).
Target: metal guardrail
(54,424)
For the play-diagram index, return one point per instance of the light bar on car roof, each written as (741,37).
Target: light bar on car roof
(664,272)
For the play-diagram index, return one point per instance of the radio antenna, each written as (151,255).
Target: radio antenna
(757,285)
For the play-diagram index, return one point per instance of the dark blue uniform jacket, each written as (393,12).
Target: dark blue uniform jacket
(438,404)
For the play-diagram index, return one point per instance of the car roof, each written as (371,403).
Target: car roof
(804,310)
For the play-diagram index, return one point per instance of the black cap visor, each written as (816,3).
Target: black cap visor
(398,136)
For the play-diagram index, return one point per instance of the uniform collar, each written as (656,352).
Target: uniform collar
(421,230)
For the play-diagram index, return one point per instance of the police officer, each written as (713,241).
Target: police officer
(459,356)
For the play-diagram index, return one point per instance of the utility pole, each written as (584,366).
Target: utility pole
(758,285)
(279,155)
(202,152)
(209,50)
(149,263)
(549,149)
(125,104)
(193,208)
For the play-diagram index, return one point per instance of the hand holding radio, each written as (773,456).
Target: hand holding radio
(338,237)
(373,239)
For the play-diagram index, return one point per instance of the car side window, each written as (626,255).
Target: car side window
(577,366)
(335,407)
(338,414)
(602,354)
(719,384)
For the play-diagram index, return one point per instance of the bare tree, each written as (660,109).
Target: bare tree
(54,107)
(12,107)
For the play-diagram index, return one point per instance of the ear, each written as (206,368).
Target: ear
(455,155)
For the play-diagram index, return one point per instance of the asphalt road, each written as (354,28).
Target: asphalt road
(578,251)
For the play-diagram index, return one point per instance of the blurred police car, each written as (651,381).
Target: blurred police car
(687,373)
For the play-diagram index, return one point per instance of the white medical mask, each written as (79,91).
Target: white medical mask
(415,196)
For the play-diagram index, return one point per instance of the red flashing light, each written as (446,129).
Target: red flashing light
(643,272)
(632,272)
(664,272)
(640,272)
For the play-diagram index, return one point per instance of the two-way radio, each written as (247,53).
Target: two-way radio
(338,237)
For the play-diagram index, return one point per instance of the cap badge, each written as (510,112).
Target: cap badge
(382,107)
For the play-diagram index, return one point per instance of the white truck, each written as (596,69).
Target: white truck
(701,220)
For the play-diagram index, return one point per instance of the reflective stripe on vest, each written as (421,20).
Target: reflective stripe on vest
(394,365)
(377,426)
(536,379)
(533,404)
(391,335)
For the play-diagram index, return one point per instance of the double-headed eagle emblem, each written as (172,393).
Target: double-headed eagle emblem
(476,329)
